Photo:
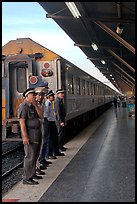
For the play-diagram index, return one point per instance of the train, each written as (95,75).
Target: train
(26,63)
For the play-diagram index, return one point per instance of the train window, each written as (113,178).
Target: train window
(70,84)
(83,87)
(87,87)
(2,69)
(94,89)
(78,86)
(101,90)
(91,89)
(97,90)
(21,80)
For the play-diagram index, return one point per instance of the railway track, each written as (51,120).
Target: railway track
(12,159)
(7,173)
(12,150)
(9,146)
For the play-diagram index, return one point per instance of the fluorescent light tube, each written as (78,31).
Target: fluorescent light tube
(73,9)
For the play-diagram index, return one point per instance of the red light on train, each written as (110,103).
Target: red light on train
(33,79)
(46,65)
(46,72)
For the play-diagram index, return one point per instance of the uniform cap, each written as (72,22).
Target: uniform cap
(42,88)
(29,90)
(39,90)
(60,91)
(50,93)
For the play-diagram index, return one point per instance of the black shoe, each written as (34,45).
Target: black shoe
(52,157)
(37,177)
(43,167)
(63,149)
(30,182)
(48,162)
(39,172)
(60,154)
(44,162)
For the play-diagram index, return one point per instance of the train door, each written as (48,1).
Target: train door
(18,68)
(17,85)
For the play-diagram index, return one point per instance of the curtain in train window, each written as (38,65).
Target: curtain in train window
(91,89)
(78,86)
(70,84)
(21,80)
(83,87)
(94,89)
(87,87)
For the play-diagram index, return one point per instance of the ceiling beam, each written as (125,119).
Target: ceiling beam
(114,35)
(99,58)
(121,60)
(103,19)
(100,46)
(125,78)
(123,71)
(126,82)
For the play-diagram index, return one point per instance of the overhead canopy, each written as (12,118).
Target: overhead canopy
(97,26)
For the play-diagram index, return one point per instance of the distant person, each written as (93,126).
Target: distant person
(60,118)
(115,102)
(29,115)
(118,101)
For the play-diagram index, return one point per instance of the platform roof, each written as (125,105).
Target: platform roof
(97,24)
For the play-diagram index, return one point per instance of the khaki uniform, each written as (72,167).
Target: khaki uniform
(33,126)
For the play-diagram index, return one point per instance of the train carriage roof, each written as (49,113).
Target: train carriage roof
(97,26)
(30,48)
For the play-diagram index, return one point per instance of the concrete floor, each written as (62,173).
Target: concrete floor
(99,165)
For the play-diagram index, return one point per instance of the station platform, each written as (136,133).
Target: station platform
(98,166)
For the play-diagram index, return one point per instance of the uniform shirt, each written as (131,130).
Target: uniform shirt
(28,112)
(49,111)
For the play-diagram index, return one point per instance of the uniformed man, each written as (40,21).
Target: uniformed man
(50,146)
(60,118)
(39,99)
(29,115)
(40,93)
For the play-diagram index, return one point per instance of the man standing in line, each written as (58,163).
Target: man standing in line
(39,99)
(29,115)
(40,91)
(50,144)
(60,118)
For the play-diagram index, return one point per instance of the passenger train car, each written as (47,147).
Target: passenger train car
(26,63)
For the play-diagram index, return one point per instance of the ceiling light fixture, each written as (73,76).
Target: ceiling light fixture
(103,62)
(120,28)
(94,46)
(73,9)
